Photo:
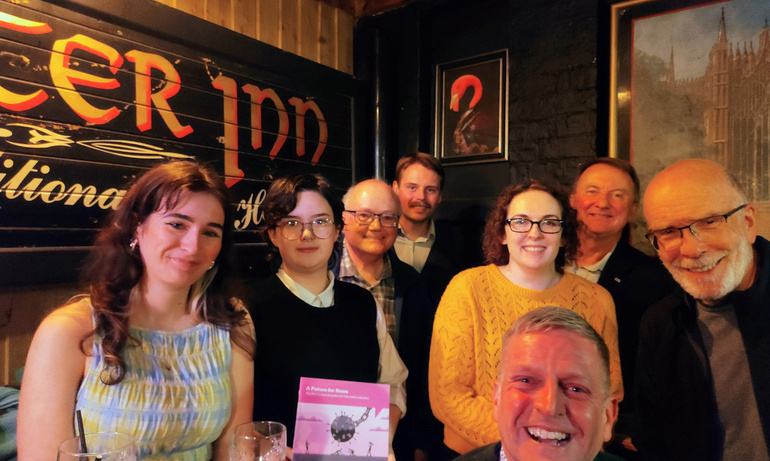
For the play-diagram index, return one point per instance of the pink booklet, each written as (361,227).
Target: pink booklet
(341,420)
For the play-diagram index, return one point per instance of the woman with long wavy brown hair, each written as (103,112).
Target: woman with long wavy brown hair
(158,348)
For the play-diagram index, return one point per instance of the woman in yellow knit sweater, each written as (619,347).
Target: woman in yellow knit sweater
(528,236)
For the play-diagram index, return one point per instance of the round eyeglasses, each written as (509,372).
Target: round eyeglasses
(292,229)
(546,226)
(367,217)
(671,237)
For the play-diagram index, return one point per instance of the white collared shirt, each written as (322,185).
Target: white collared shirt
(323,299)
(416,252)
(591,272)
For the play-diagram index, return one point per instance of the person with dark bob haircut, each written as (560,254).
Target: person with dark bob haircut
(282,199)
(307,323)
(529,235)
(158,348)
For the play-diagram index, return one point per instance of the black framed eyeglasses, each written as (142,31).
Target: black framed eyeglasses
(367,217)
(671,237)
(546,226)
(292,229)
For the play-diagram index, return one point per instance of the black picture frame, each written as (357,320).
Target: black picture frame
(471,129)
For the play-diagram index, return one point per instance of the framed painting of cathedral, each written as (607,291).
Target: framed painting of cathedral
(472,109)
(692,79)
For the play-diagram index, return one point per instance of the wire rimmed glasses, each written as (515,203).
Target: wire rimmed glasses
(292,229)
(546,225)
(367,217)
(671,237)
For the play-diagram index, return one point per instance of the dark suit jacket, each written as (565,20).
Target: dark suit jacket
(418,428)
(447,257)
(675,383)
(491,452)
(636,282)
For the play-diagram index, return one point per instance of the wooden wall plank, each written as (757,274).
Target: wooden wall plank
(219,12)
(290,30)
(308,29)
(321,31)
(22,311)
(345,27)
(327,35)
(245,17)
(193,7)
(269,23)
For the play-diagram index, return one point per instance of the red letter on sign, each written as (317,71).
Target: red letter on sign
(144,63)
(257,97)
(301,108)
(18,24)
(15,101)
(19,102)
(65,77)
(229,88)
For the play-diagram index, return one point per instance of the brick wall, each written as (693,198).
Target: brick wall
(553,87)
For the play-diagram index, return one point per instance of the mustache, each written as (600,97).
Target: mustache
(420,202)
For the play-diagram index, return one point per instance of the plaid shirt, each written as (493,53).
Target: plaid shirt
(384,291)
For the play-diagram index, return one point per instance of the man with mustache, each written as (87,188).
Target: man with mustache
(703,370)
(434,248)
(552,396)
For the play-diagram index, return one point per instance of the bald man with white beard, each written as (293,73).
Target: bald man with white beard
(703,373)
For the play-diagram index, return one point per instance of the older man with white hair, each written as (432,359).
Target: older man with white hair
(371,216)
(703,378)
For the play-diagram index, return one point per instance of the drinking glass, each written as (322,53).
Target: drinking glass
(104,446)
(259,441)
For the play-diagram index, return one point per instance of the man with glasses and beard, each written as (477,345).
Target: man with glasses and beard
(703,369)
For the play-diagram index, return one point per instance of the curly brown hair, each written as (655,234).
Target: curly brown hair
(114,268)
(494,231)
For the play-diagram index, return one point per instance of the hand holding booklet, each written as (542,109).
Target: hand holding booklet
(341,420)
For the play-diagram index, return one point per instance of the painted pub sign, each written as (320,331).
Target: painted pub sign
(90,98)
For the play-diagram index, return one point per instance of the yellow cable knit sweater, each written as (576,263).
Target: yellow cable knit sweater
(477,308)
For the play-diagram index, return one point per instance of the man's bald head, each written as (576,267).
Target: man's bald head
(703,228)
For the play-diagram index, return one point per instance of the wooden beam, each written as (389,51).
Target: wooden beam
(347,6)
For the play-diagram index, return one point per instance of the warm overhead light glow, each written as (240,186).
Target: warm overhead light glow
(624,97)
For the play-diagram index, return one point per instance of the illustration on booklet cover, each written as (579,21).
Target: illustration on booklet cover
(341,419)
